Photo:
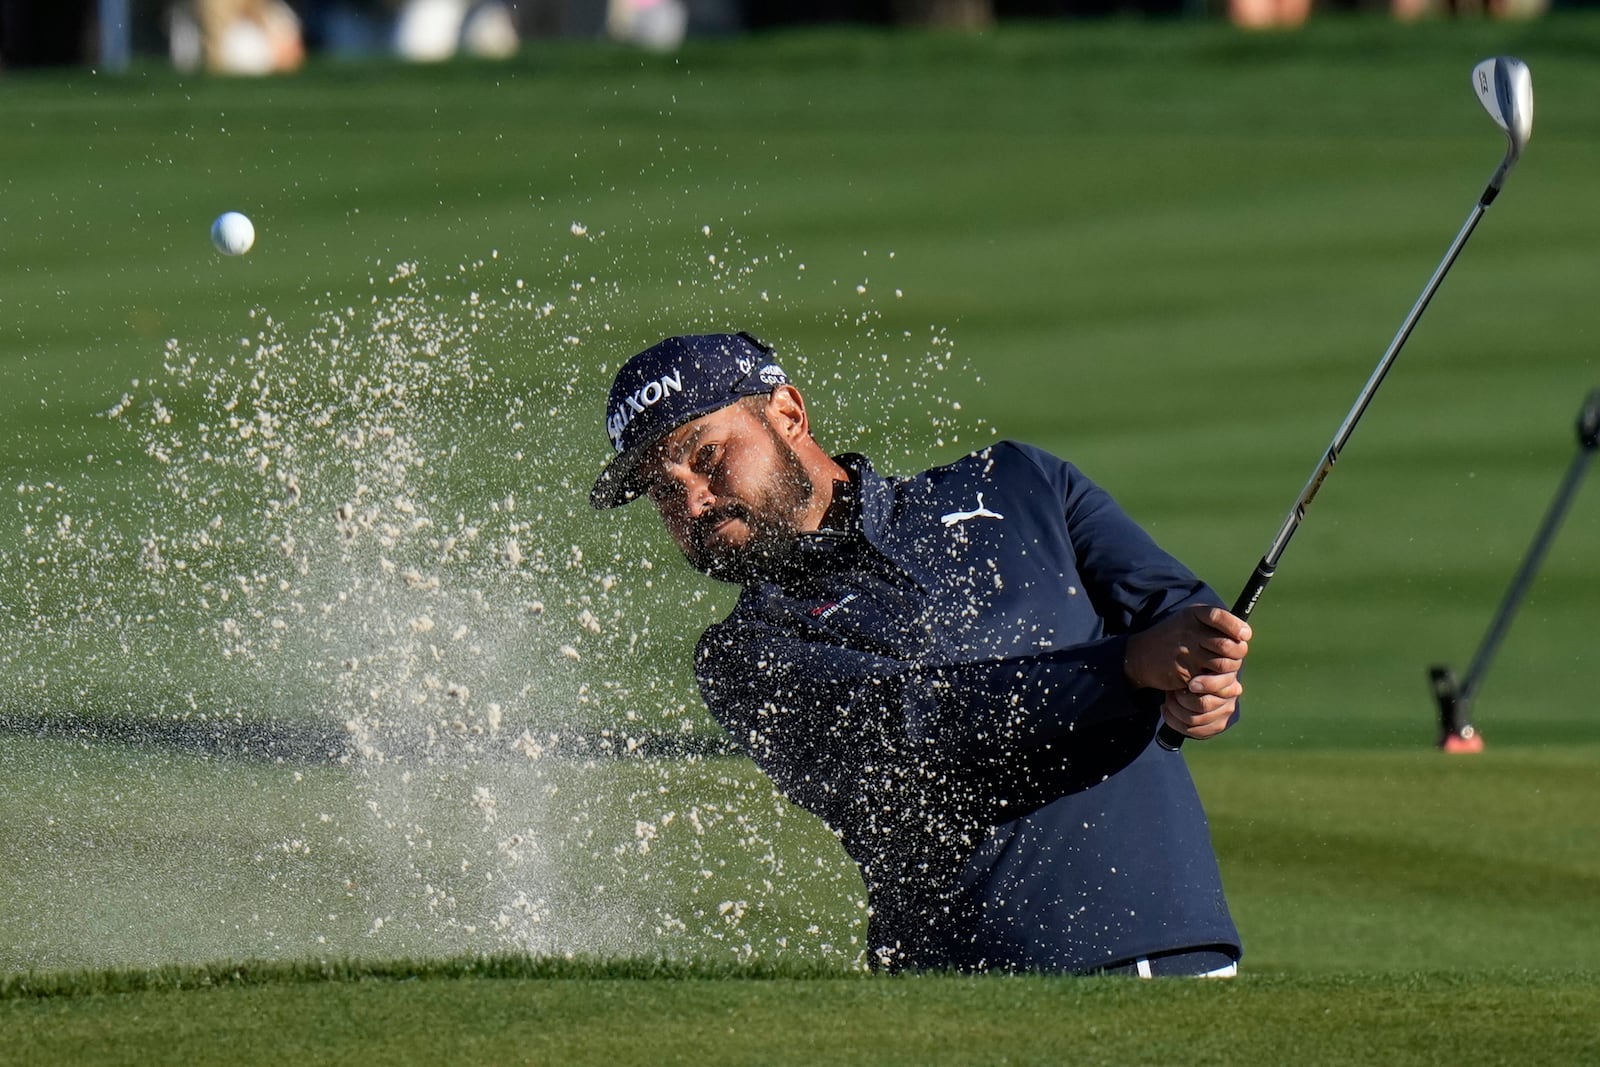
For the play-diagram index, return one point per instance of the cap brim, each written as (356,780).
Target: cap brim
(615,485)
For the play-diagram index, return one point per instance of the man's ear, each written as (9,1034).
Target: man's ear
(786,413)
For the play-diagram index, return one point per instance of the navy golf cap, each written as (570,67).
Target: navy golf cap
(672,383)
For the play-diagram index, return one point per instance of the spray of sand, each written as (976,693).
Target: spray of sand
(392,686)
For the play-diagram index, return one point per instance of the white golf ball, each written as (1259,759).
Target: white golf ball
(233,234)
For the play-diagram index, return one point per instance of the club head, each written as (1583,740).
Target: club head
(1589,421)
(1505,89)
(1456,732)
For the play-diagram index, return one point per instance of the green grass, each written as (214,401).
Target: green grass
(1352,861)
(1170,252)
(635,1012)
(1379,862)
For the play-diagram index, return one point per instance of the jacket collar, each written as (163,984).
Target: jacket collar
(871,496)
(860,511)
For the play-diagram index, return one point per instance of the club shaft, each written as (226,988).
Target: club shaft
(1169,738)
(1524,576)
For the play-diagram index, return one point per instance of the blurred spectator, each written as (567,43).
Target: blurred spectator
(347,27)
(658,25)
(1271,14)
(236,36)
(428,31)
(1413,10)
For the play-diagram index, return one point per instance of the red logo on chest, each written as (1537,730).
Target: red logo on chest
(822,611)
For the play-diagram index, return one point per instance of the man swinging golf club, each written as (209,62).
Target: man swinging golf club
(960,672)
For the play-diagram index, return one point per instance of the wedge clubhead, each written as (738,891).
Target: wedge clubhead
(1505,89)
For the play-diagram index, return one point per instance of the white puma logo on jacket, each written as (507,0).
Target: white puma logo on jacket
(980,512)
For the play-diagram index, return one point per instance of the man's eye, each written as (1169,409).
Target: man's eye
(706,458)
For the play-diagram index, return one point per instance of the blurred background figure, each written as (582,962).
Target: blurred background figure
(1413,10)
(250,37)
(658,25)
(430,31)
(1275,14)
(271,36)
(268,37)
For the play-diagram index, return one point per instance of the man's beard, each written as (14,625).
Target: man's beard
(770,520)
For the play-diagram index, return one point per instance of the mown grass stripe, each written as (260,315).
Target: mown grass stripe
(177,977)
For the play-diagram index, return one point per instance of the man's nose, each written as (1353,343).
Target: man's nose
(698,496)
(696,492)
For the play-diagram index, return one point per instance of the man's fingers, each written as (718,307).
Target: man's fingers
(1196,666)
(1221,684)
(1196,724)
(1193,663)
(1199,640)
(1226,646)
(1217,643)
(1226,623)
(1202,704)
(1221,646)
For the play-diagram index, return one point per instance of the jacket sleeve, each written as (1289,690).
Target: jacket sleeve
(822,720)
(1131,580)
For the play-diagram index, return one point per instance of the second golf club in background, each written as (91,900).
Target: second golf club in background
(1456,731)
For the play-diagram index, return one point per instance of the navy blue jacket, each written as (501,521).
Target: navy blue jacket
(941,682)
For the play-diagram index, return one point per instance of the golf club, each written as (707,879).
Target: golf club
(1505,89)
(1456,732)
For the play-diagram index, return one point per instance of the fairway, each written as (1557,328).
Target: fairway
(589,1017)
(319,658)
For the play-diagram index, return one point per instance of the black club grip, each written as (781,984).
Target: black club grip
(1166,736)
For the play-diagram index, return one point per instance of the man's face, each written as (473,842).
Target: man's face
(730,491)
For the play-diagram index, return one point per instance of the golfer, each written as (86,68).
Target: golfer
(960,672)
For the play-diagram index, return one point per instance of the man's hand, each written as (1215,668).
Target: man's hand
(1193,656)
